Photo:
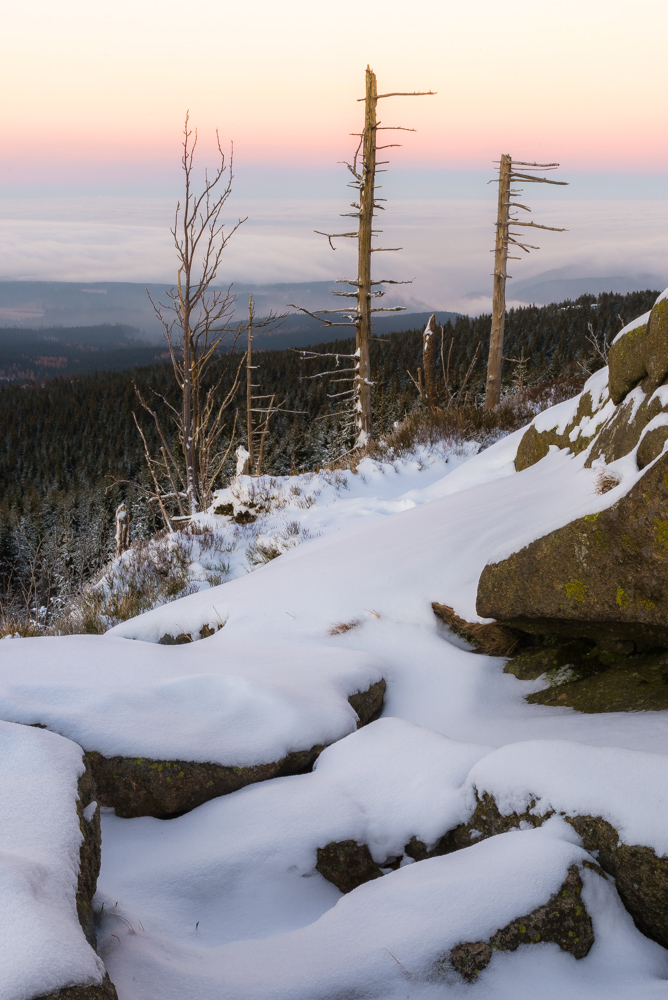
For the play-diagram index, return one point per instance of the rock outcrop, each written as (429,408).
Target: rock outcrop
(139,786)
(640,875)
(563,920)
(601,579)
(629,412)
(601,576)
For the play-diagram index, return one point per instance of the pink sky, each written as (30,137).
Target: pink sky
(90,85)
(94,97)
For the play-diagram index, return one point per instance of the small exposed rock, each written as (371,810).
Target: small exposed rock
(139,786)
(563,920)
(185,637)
(175,640)
(491,638)
(347,864)
(103,991)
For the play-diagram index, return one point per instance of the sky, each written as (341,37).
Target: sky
(95,97)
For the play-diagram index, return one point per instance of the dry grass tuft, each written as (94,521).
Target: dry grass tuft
(491,638)
(338,628)
(23,627)
(606,481)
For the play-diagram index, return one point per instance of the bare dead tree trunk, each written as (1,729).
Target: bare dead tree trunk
(508,174)
(195,322)
(493,387)
(363,419)
(358,375)
(189,444)
(249,387)
(122,534)
(428,346)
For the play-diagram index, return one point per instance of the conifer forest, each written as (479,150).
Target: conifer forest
(71,452)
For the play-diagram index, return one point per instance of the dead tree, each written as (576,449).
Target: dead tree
(258,411)
(363,168)
(195,319)
(122,533)
(505,239)
(426,382)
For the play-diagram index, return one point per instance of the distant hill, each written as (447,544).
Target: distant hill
(40,304)
(562,283)
(41,353)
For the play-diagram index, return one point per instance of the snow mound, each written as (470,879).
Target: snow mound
(231,703)
(385,938)
(627,788)
(43,945)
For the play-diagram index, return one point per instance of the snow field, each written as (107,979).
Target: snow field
(384,939)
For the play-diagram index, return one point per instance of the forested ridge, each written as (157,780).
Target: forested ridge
(66,441)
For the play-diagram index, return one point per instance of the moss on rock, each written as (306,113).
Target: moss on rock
(347,864)
(562,920)
(101,991)
(636,683)
(602,576)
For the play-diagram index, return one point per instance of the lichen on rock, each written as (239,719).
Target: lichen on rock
(347,864)
(562,920)
(602,576)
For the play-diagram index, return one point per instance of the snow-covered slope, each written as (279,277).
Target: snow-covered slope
(224,903)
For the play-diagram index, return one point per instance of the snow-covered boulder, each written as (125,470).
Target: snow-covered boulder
(433,922)
(169,727)
(615,799)
(600,576)
(49,862)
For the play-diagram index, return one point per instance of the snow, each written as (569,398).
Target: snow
(252,703)
(627,788)
(388,935)
(433,550)
(224,903)
(43,946)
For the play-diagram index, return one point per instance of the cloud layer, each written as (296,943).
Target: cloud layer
(445,244)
